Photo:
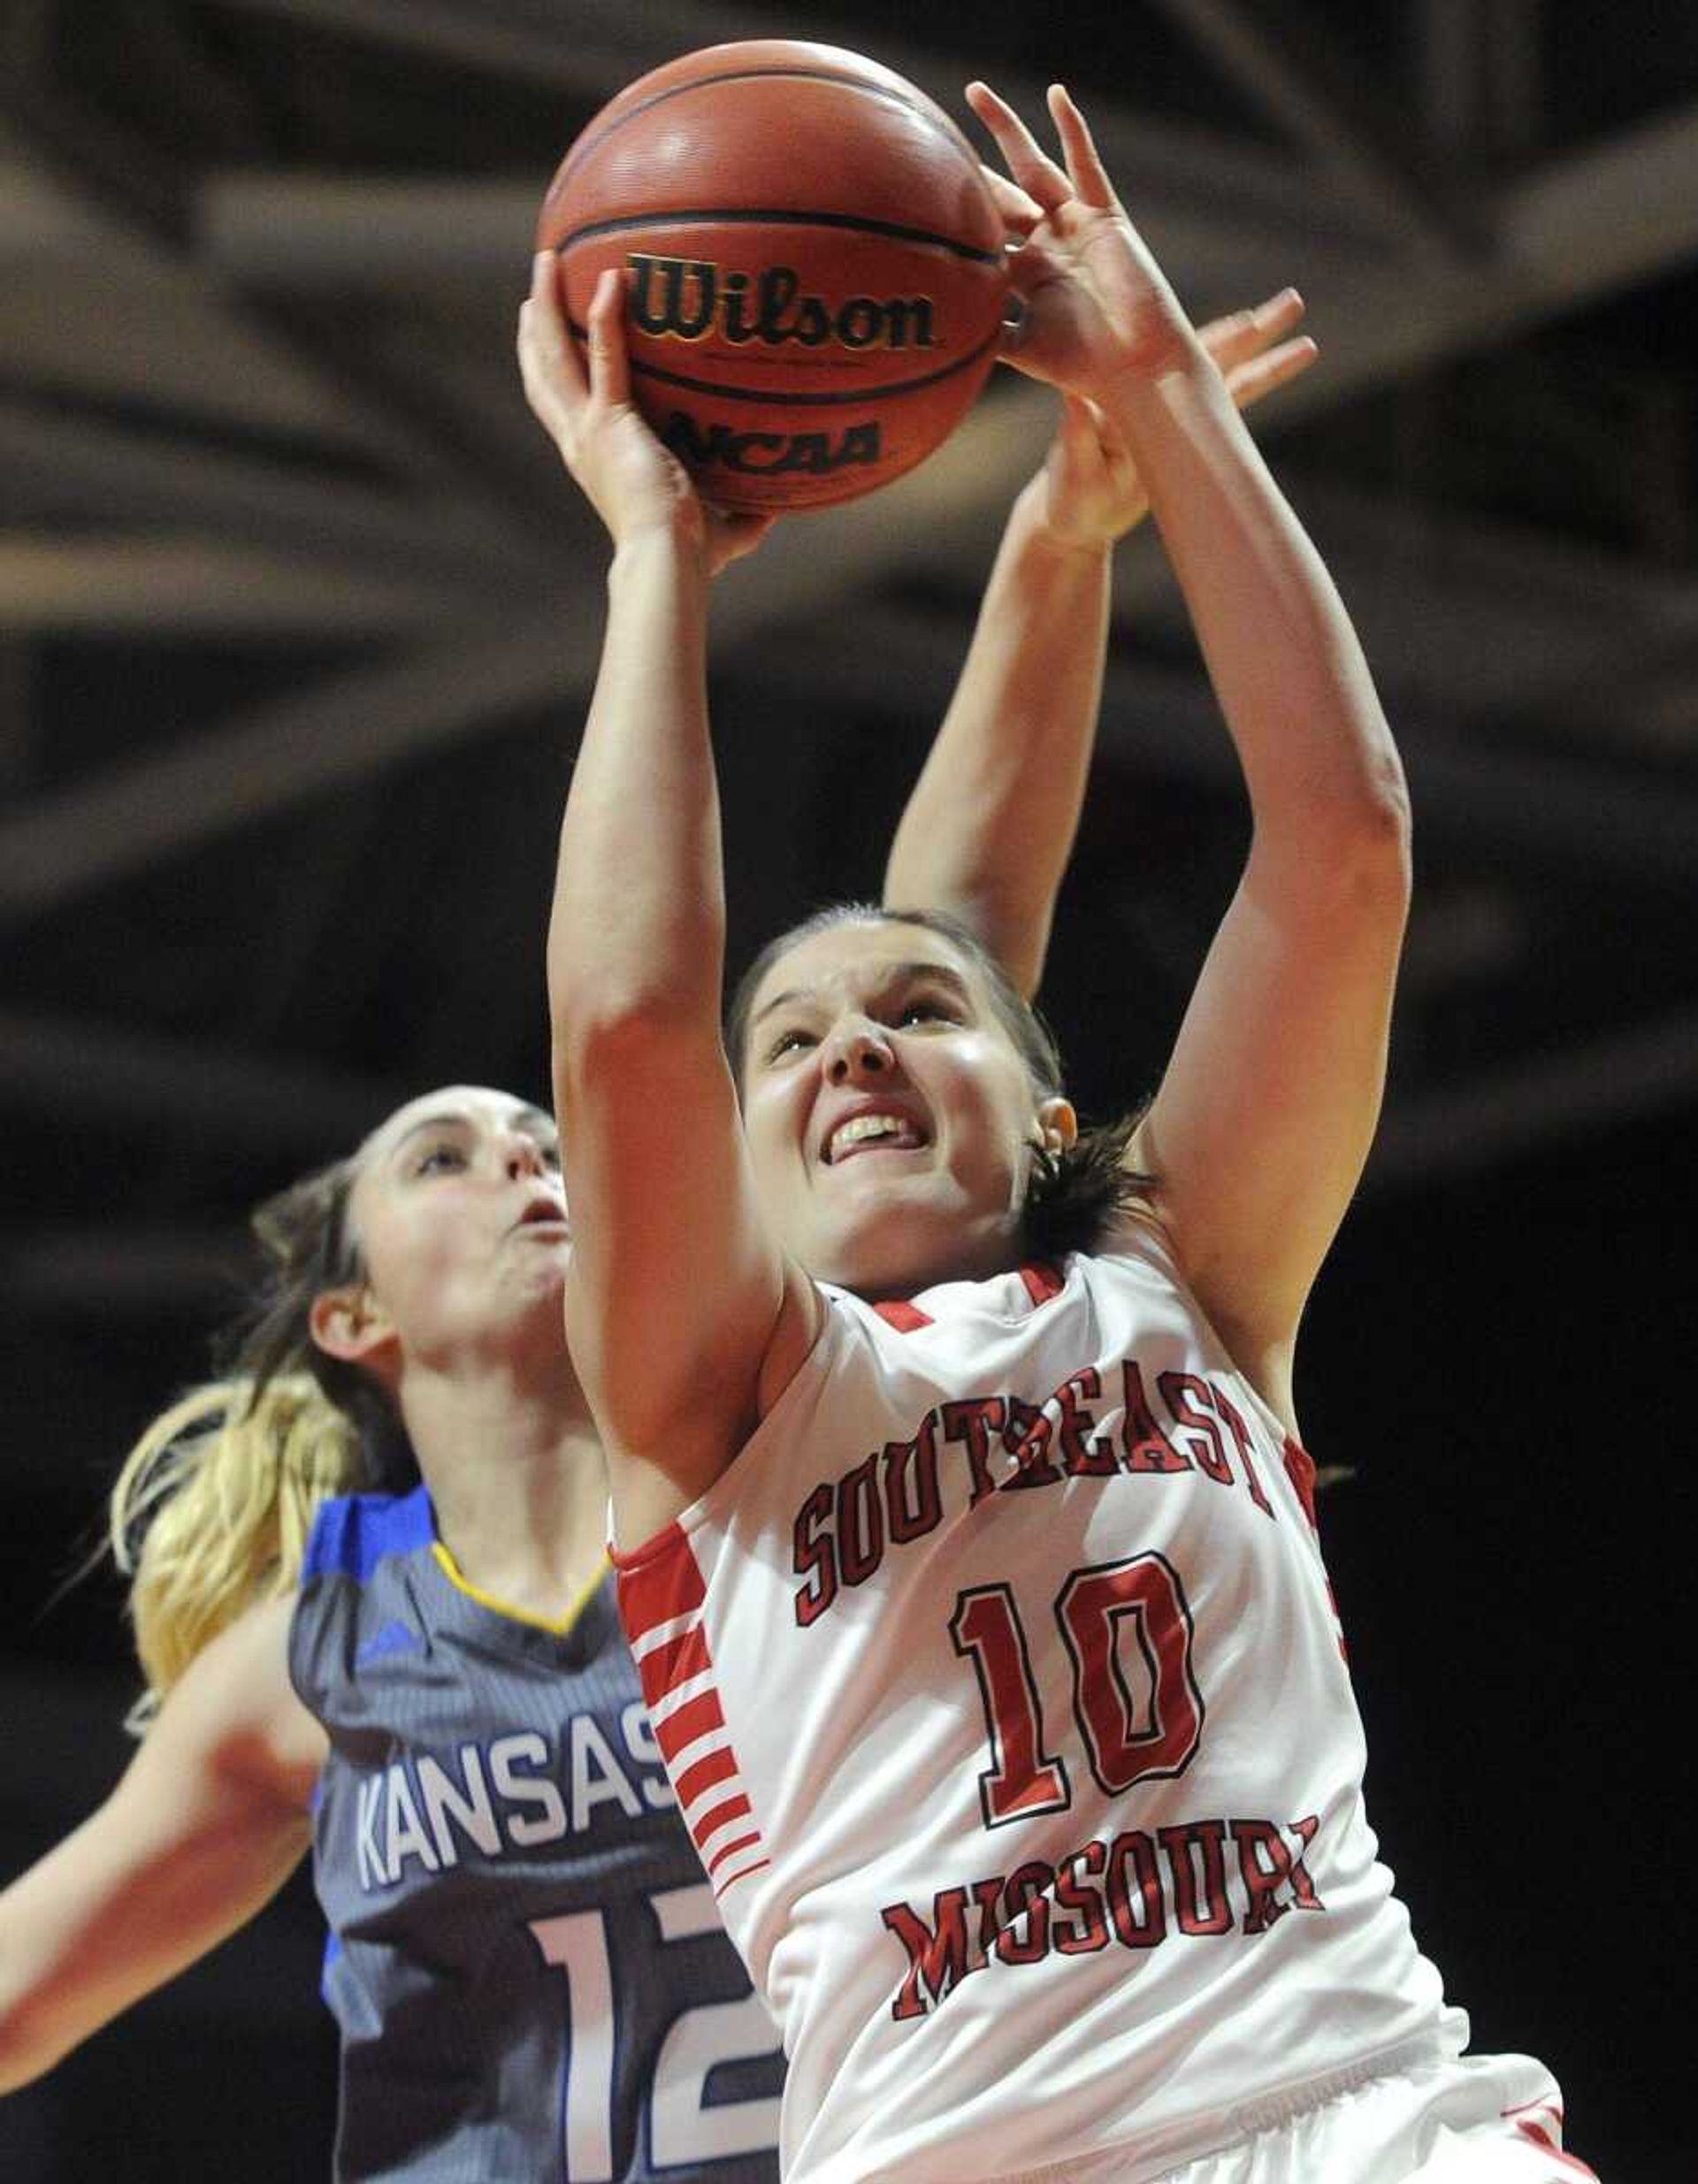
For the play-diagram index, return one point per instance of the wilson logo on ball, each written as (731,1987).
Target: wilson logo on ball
(689,299)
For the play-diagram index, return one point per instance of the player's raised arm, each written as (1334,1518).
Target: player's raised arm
(990,825)
(207,1823)
(675,1290)
(1264,1117)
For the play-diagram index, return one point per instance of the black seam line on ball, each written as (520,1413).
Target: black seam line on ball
(740,217)
(777,399)
(887,92)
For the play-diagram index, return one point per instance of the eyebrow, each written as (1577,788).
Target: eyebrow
(896,974)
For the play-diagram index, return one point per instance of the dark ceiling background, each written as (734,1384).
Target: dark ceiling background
(297,621)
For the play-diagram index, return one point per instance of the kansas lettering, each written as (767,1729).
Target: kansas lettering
(505,1797)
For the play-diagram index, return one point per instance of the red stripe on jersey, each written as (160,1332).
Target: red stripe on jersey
(906,1318)
(661,1581)
(727,1809)
(703,1776)
(1042,1282)
(1545,2106)
(730,1850)
(1300,1469)
(673,1664)
(1541,2135)
(662,1585)
(695,1718)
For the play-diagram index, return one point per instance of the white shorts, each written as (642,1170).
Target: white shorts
(1474,2120)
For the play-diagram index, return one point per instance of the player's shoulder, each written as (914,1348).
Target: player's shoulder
(353,1533)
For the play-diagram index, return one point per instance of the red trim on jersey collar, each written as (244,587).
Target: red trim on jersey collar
(659,1580)
(897,1312)
(1042,1280)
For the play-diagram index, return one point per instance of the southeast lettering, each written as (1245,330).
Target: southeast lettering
(965,1450)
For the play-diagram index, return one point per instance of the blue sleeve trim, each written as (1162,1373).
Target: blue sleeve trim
(352,1533)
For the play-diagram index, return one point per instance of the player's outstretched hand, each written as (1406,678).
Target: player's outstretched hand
(1095,303)
(633,483)
(1092,492)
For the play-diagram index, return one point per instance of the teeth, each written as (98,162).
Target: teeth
(861,1127)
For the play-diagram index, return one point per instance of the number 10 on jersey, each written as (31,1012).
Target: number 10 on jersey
(1126,1627)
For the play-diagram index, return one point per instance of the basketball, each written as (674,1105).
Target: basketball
(815,267)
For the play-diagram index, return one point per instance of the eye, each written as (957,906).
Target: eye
(550,1156)
(439,1159)
(793,1040)
(928,1008)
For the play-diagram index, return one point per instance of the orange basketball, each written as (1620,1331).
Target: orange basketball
(816,275)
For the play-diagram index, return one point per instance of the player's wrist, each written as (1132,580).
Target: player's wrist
(1053,537)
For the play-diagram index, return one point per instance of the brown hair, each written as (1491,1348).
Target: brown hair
(1075,1196)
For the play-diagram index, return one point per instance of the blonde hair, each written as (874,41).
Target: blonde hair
(213,1510)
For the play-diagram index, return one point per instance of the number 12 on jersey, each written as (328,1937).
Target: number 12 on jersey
(685,2128)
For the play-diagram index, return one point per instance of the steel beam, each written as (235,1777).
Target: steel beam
(176,587)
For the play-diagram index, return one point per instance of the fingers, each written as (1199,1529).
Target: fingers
(1235,339)
(1084,176)
(1089,177)
(1082,426)
(554,375)
(549,360)
(609,366)
(1020,213)
(1032,168)
(732,536)
(1249,353)
(1249,382)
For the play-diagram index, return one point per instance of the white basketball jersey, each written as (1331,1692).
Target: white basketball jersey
(1001,1685)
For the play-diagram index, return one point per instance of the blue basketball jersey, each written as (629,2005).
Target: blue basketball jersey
(524,1959)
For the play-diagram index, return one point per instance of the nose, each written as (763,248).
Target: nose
(523,1156)
(856,1047)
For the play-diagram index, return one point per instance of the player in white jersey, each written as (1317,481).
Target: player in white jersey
(967,1541)
(412,1326)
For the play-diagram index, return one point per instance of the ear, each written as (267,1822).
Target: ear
(349,1323)
(1058,1126)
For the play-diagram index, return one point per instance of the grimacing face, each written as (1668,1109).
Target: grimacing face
(460,1217)
(890,1117)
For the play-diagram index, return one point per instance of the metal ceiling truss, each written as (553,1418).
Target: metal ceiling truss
(372,500)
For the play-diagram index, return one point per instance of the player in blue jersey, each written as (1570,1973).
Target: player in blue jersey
(370,1590)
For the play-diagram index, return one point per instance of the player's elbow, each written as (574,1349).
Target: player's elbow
(1357,847)
(636,1043)
(1374,848)
(1349,868)
(30,2042)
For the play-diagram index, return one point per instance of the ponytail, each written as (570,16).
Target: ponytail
(211,1511)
